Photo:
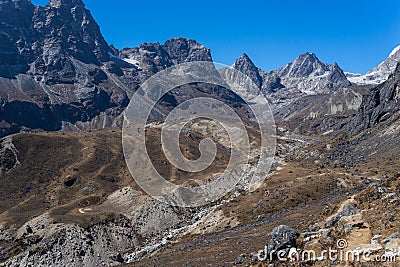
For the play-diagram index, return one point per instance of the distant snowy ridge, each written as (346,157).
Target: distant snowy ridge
(380,73)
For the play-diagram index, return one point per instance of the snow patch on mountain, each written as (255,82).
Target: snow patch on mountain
(132,61)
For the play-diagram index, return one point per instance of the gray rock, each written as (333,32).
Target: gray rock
(254,257)
(240,259)
(282,238)
(33,239)
(314,228)
(29,229)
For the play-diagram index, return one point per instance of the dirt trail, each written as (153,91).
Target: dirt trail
(357,236)
(84,210)
(350,200)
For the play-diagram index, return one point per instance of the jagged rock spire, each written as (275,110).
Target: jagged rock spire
(246,65)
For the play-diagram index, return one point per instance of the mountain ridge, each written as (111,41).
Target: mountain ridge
(71,78)
(378,74)
(304,76)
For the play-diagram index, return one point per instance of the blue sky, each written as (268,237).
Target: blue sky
(356,34)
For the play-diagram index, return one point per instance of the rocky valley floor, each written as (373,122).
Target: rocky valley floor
(68,198)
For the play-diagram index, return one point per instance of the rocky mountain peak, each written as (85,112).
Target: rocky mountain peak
(245,65)
(39,34)
(307,56)
(186,50)
(244,61)
(153,57)
(65,3)
(388,66)
(304,65)
(337,74)
(244,57)
(310,75)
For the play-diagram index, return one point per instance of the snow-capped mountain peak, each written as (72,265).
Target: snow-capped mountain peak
(378,74)
(394,52)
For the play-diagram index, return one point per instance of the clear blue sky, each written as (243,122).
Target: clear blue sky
(356,34)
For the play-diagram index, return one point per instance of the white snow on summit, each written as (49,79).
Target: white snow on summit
(380,73)
(394,51)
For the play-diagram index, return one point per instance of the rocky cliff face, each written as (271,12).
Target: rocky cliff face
(267,82)
(52,67)
(381,105)
(48,39)
(58,72)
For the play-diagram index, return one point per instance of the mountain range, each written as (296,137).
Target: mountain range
(57,68)
(67,197)
(58,73)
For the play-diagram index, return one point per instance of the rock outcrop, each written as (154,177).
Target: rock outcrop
(51,69)
(283,238)
(380,105)
(246,66)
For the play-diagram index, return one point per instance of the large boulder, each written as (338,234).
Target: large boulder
(283,238)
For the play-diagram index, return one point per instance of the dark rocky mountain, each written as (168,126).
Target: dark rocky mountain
(268,82)
(57,71)
(246,66)
(52,67)
(153,57)
(48,39)
(381,105)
